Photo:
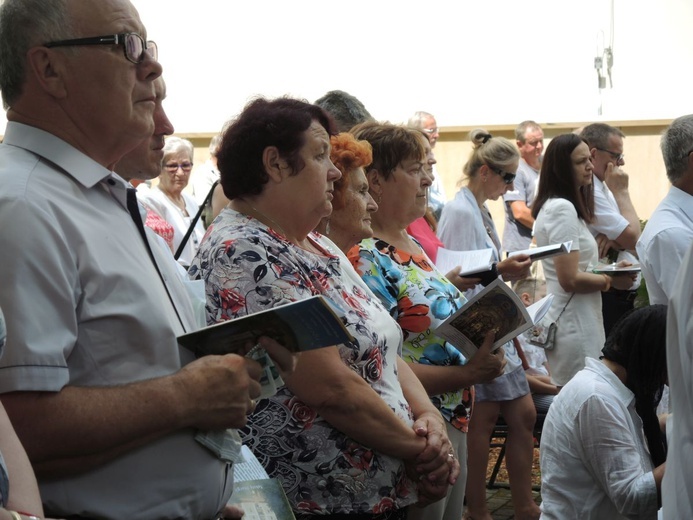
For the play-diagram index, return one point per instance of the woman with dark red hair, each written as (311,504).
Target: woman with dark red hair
(353,434)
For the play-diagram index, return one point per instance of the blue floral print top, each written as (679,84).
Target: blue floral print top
(248,267)
(420,298)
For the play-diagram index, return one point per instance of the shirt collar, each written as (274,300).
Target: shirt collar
(683,200)
(601,370)
(71,161)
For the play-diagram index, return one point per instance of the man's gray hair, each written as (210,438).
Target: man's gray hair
(346,110)
(597,134)
(25,24)
(677,141)
(416,121)
(522,128)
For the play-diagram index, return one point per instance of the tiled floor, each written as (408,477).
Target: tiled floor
(500,505)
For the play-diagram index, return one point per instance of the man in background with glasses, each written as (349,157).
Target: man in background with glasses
(616,226)
(517,233)
(92,375)
(428,125)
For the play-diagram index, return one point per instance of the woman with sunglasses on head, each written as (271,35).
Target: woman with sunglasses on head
(466,224)
(168,200)
(563,207)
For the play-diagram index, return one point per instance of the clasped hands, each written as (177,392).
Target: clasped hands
(437,466)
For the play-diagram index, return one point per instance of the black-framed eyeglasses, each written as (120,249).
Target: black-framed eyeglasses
(618,157)
(431,131)
(134,47)
(173,167)
(508,177)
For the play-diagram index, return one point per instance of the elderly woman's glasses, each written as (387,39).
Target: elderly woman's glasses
(134,47)
(173,167)
(508,177)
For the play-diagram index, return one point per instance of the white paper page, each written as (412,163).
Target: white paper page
(251,469)
(539,308)
(471,261)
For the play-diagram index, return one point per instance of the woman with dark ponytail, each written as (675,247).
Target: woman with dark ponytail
(602,449)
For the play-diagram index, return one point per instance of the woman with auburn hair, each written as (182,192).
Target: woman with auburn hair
(350,220)
(466,224)
(563,207)
(602,446)
(419,296)
(353,434)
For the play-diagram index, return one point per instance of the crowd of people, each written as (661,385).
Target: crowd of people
(103,415)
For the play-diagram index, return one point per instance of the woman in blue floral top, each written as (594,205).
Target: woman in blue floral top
(416,294)
(344,437)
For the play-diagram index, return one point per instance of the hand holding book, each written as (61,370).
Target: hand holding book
(498,309)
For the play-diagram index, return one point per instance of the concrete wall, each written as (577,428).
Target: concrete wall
(644,164)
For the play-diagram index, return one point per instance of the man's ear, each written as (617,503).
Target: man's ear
(526,299)
(48,68)
(275,166)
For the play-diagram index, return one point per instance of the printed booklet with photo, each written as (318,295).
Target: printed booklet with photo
(302,325)
(497,308)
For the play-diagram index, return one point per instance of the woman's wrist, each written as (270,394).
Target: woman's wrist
(607,280)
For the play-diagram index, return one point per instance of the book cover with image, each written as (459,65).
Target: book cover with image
(495,308)
(262,499)
(302,325)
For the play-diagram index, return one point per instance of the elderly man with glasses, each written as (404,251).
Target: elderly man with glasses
(616,226)
(104,401)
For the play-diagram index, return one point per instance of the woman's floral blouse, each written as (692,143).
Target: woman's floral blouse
(247,267)
(420,298)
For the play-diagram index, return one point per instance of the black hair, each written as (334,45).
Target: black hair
(638,343)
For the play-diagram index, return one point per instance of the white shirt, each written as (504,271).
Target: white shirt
(608,219)
(202,179)
(663,243)
(167,210)
(85,306)
(594,458)
(677,487)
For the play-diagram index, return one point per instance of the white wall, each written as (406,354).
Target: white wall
(468,62)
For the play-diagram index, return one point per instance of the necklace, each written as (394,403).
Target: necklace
(308,246)
(179,203)
(279,228)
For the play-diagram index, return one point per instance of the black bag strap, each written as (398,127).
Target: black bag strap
(194,220)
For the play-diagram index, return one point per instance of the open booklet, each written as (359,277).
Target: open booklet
(474,264)
(302,325)
(497,308)
(616,269)
(537,253)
